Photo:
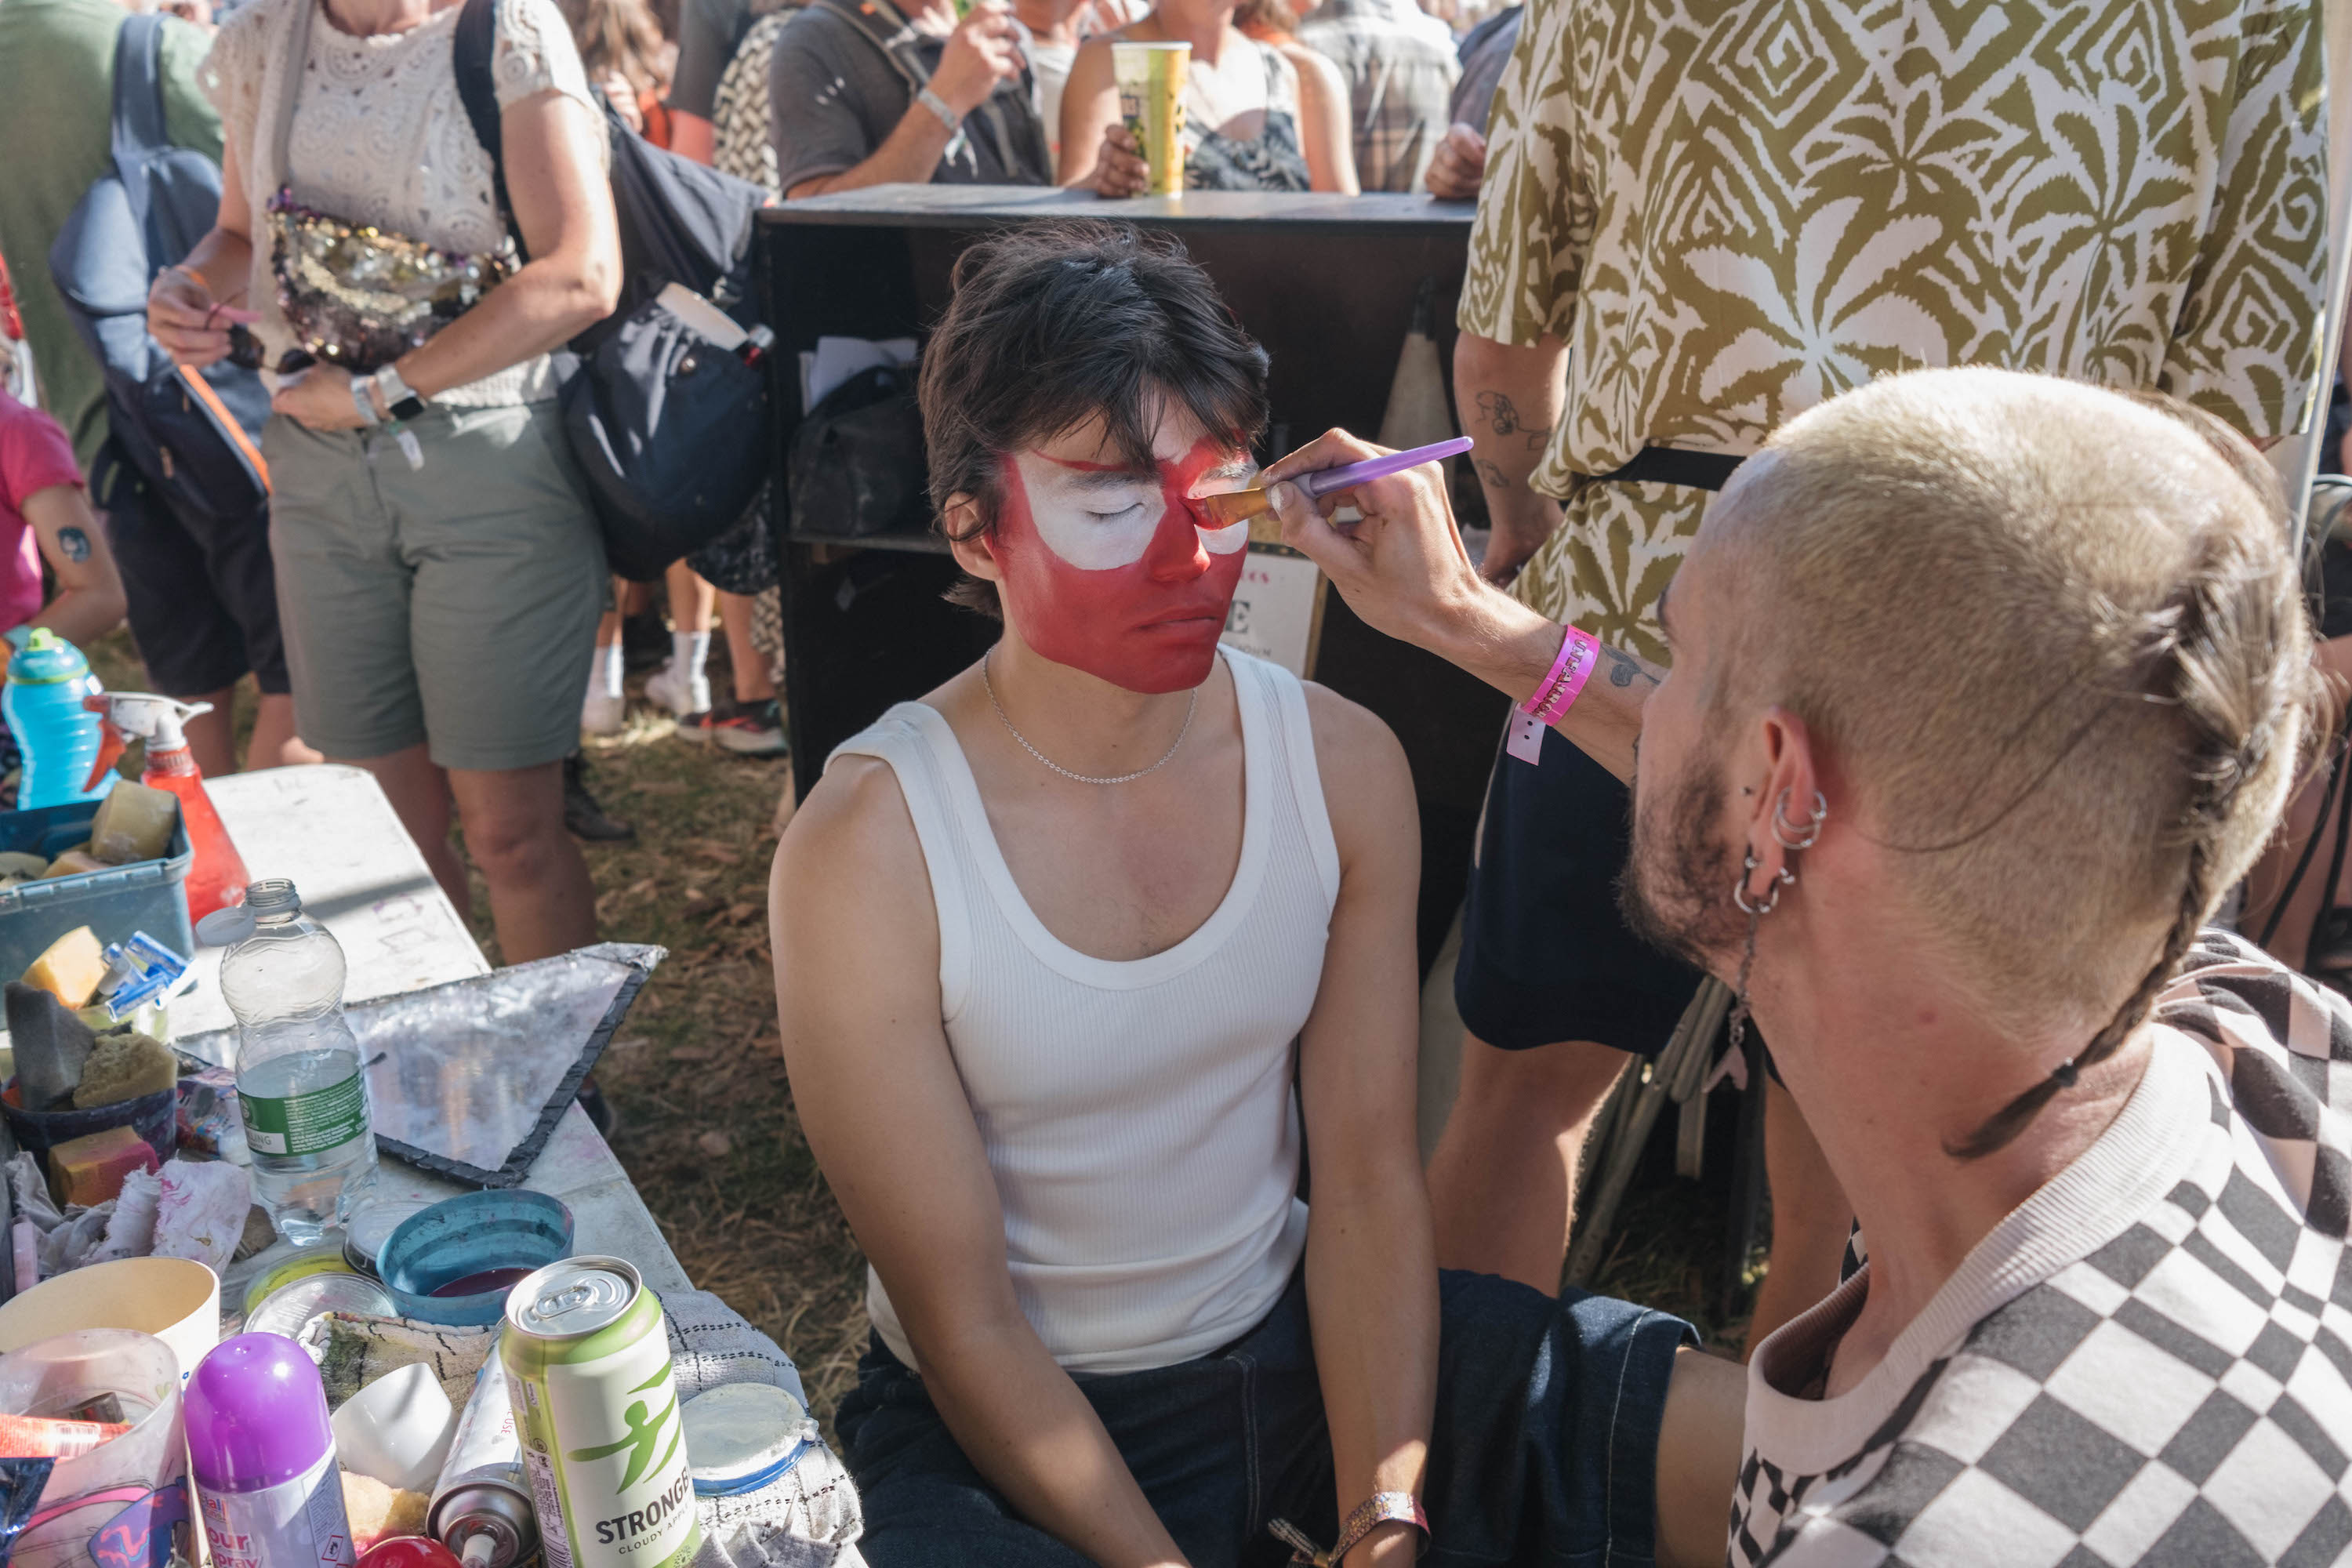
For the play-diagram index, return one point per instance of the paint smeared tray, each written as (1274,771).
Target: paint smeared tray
(474,1074)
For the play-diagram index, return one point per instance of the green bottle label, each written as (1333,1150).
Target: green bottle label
(306,1123)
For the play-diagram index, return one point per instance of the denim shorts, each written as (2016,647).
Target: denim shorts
(1544,1449)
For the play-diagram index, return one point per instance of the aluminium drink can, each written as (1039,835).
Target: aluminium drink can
(586,1353)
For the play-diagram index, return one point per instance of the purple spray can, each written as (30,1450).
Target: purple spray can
(263,1458)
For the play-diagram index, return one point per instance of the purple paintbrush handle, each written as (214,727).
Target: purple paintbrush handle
(1323,481)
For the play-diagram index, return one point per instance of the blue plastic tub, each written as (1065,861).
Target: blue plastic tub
(146,895)
(510,1228)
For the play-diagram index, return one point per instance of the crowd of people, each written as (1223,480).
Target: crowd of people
(419,615)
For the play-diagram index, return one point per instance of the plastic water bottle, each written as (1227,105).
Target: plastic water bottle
(300,1082)
(42,703)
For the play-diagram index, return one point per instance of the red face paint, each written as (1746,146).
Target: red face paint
(1112,573)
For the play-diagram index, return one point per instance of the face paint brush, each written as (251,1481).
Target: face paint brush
(1240,506)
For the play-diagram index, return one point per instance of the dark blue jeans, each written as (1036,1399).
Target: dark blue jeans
(1544,1449)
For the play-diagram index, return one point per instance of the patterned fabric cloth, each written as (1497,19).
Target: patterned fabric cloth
(1731,210)
(2150,1361)
(1273,160)
(740,144)
(1400,81)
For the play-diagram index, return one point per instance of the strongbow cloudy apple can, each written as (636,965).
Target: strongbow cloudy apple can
(587,1362)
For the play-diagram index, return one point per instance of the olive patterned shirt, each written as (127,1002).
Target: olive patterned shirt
(1732,210)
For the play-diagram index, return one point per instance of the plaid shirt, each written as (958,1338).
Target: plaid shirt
(1400,85)
(2150,1361)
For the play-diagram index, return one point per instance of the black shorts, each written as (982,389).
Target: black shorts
(1544,955)
(203,595)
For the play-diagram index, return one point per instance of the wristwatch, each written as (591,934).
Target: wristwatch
(399,399)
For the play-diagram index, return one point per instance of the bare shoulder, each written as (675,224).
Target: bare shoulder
(849,855)
(1316,74)
(1366,784)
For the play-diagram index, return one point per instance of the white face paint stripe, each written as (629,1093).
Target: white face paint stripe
(1225,541)
(1093,527)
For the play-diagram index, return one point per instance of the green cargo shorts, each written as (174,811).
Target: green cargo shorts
(453,605)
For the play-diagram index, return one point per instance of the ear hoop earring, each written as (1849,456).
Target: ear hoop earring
(1770,899)
(1789,835)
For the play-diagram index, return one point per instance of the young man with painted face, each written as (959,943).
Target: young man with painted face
(1078,954)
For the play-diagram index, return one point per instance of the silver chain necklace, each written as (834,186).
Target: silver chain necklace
(1190,704)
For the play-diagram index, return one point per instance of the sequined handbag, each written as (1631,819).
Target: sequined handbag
(360,297)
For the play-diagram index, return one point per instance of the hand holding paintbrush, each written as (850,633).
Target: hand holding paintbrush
(1240,506)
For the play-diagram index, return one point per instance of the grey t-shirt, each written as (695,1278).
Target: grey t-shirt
(833,98)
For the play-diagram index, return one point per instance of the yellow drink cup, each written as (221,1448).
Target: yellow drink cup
(1151,78)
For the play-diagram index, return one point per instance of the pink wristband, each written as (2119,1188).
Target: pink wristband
(1558,692)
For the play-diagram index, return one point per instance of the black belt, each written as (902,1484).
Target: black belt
(1672,466)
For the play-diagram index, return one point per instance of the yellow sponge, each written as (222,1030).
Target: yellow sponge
(134,822)
(71,969)
(74,863)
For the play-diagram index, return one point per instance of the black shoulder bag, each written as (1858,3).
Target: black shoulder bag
(670,428)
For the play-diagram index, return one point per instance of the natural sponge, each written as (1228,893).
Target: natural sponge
(91,1169)
(124,1067)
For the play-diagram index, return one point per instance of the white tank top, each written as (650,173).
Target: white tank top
(1137,1115)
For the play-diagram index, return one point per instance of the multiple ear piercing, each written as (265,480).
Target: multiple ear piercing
(1792,836)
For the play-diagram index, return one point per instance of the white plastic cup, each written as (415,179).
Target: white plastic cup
(177,1299)
(396,1429)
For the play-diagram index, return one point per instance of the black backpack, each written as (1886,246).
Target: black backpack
(193,435)
(670,429)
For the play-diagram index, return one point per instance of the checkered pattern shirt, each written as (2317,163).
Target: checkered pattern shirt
(2150,1361)
(1400,86)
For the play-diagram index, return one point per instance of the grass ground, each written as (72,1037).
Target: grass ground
(707,1129)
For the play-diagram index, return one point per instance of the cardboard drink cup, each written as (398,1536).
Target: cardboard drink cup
(1151,79)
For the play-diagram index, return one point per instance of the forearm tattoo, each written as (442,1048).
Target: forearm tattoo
(1503,418)
(1624,668)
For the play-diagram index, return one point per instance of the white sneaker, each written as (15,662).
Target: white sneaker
(603,715)
(680,696)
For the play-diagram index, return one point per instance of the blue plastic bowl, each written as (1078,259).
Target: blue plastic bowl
(509,1230)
